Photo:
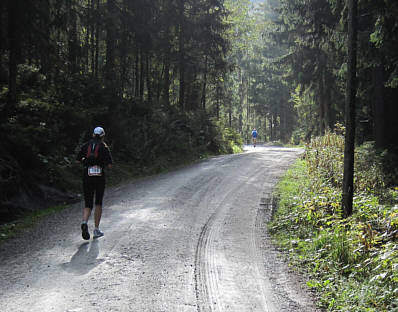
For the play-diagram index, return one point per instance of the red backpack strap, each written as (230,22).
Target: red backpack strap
(88,150)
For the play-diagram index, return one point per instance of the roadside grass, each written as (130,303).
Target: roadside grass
(283,144)
(352,263)
(9,230)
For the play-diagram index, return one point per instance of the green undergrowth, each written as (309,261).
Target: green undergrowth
(352,263)
(11,229)
(122,172)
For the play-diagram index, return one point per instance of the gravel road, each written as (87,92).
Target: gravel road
(193,239)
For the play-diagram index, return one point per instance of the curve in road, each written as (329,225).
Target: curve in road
(190,240)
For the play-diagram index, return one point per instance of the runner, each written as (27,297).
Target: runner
(95,157)
(254,137)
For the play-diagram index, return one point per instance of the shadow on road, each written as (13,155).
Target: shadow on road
(85,259)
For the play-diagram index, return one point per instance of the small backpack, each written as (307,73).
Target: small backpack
(92,153)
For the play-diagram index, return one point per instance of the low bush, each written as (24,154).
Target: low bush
(352,262)
(40,137)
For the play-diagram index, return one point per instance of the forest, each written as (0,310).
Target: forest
(177,79)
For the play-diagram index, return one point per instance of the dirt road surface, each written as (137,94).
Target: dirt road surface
(190,240)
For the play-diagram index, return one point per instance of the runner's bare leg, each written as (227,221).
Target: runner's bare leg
(97,215)
(86,214)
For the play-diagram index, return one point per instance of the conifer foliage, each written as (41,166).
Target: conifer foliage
(184,77)
(144,70)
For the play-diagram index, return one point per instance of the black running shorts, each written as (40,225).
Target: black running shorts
(93,186)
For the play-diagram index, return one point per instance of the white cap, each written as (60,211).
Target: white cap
(99,131)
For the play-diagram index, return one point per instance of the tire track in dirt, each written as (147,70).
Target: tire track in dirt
(206,293)
(207,279)
(189,240)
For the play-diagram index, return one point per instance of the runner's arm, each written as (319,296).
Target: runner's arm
(82,154)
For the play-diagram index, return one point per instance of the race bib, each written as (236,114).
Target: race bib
(94,171)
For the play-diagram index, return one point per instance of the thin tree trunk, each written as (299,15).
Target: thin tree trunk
(166,89)
(283,121)
(124,44)
(189,100)
(92,37)
(349,148)
(148,79)
(73,45)
(265,129)
(123,63)
(137,76)
(142,76)
(46,51)
(158,81)
(87,47)
(181,56)
(321,106)
(379,124)
(271,127)
(229,110)
(241,96)
(326,102)
(247,101)
(97,32)
(13,39)
(204,89)
(110,73)
(219,104)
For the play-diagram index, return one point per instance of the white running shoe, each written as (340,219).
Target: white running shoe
(97,233)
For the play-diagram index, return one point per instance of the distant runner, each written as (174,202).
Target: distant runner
(95,157)
(254,137)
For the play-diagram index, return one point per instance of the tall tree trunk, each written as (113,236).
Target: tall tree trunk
(110,75)
(182,82)
(3,35)
(349,148)
(241,97)
(271,127)
(110,72)
(73,45)
(326,101)
(92,36)
(265,129)
(46,51)
(148,79)
(181,55)
(158,81)
(97,33)
(166,81)
(14,48)
(229,114)
(123,61)
(246,88)
(88,32)
(219,105)
(379,120)
(142,76)
(283,121)
(321,106)
(241,123)
(166,88)
(204,88)
(191,94)
(137,76)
